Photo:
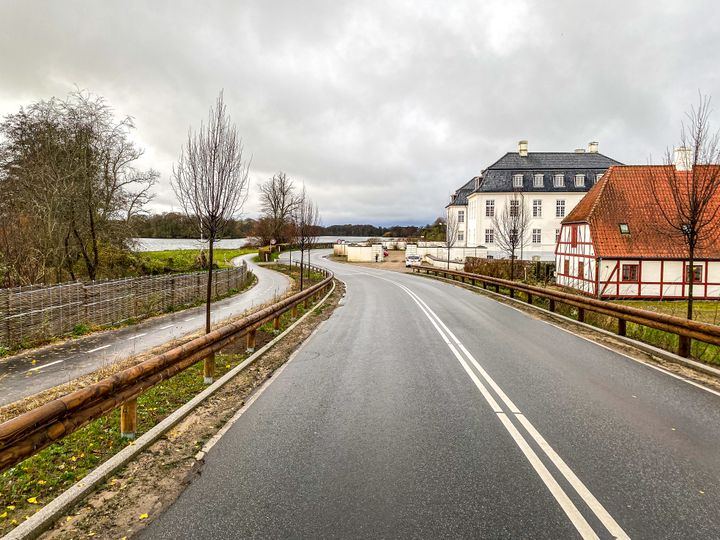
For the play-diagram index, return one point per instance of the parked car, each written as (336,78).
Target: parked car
(412,260)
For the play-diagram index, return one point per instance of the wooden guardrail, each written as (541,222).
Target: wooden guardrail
(28,433)
(686,330)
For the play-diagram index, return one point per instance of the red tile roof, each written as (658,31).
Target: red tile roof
(625,195)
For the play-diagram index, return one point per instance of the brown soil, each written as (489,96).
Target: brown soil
(142,490)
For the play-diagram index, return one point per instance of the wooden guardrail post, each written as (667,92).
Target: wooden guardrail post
(209,369)
(276,324)
(529,298)
(251,340)
(684,346)
(551,307)
(512,292)
(293,312)
(581,315)
(622,327)
(128,419)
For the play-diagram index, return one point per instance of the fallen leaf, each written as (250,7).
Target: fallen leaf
(13,522)
(32,500)
(11,507)
(34,362)
(41,482)
(68,519)
(143,516)
(3,515)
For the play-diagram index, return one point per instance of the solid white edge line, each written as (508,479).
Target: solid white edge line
(597,508)
(571,511)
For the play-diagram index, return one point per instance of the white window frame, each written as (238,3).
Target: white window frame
(461,216)
(539,180)
(557,235)
(598,177)
(461,236)
(537,208)
(517,180)
(579,180)
(489,236)
(490,208)
(537,236)
(560,208)
(559,180)
(514,208)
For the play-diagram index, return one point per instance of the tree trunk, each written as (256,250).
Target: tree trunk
(512,265)
(448,261)
(302,260)
(691,283)
(209,362)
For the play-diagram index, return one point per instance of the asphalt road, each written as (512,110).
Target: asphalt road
(37,370)
(423,410)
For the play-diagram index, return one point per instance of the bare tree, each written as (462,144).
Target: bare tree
(452,227)
(307,219)
(691,177)
(211,183)
(277,200)
(67,169)
(511,227)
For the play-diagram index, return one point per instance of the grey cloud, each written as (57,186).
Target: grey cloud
(381,109)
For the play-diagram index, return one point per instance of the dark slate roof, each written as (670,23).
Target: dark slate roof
(460,196)
(498,177)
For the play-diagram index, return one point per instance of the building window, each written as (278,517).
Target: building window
(630,272)
(517,180)
(695,273)
(539,180)
(598,177)
(513,236)
(579,180)
(566,267)
(624,228)
(559,180)
(461,236)
(537,208)
(461,216)
(557,235)
(560,208)
(536,236)
(581,269)
(489,236)
(489,208)
(514,208)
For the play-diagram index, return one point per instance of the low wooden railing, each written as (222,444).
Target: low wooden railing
(686,330)
(28,433)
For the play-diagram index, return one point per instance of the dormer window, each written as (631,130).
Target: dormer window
(517,180)
(598,177)
(539,180)
(579,180)
(624,229)
(559,180)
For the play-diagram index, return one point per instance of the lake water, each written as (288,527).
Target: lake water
(162,244)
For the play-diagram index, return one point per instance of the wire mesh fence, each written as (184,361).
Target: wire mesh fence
(36,313)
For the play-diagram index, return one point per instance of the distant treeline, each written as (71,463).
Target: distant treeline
(177,225)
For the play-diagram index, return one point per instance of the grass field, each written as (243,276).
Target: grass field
(703,310)
(187,260)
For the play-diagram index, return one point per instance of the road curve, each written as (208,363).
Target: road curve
(423,410)
(37,370)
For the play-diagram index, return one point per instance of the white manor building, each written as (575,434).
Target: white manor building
(550,183)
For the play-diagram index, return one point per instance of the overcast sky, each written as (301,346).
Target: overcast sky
(381,108)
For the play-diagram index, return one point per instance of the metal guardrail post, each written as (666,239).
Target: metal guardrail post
(128,419)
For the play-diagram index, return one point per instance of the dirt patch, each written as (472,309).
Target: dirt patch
(606,340)
(394,261)
(142,490)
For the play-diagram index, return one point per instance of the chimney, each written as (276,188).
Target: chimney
(522,148)
(579,150)
(683,158)
(478,179)
(593,147)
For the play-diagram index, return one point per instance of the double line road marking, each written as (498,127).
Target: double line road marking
(464,356)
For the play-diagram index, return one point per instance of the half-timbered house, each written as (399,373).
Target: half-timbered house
(616,243)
